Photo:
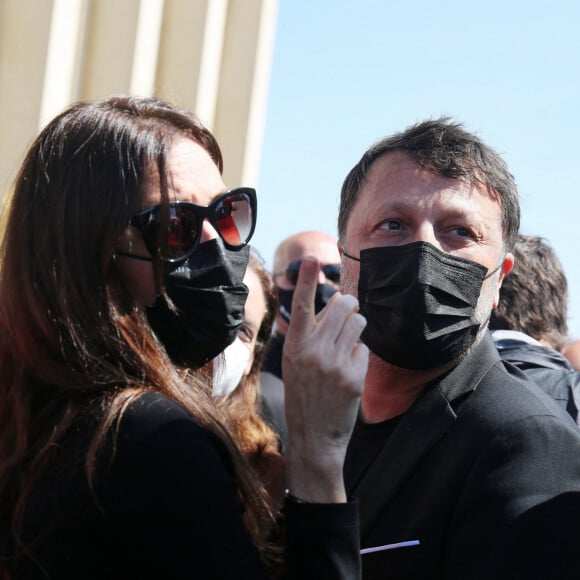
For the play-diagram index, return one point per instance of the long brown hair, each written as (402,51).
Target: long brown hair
(72,344)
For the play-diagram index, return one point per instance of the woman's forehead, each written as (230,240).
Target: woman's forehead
(192,176)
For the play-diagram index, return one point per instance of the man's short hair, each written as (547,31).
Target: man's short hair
(445,148)
(534,296)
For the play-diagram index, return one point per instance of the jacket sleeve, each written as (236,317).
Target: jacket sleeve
(322,541)
(520,512)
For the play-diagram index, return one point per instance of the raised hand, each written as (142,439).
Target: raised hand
(323,367)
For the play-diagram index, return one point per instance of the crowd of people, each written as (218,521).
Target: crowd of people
(401,401)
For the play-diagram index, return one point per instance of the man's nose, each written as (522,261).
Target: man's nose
(426,233)
(208,232)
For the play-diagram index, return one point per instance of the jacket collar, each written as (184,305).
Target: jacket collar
(420,428)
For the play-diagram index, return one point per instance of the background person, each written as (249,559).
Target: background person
(286,264)
(529,323)
(123,257)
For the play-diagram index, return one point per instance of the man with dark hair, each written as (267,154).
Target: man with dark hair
(530,325)
(461,470)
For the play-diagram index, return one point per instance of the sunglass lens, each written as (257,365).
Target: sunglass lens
(292,272)
(332,272)
(292,276)
(182,232)
(235,218)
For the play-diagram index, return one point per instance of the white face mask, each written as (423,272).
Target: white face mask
(229,367)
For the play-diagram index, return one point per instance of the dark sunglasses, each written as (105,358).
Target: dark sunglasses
(232,214)
(331,272)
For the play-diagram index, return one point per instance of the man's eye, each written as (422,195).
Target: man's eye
(392,225)
(463,232)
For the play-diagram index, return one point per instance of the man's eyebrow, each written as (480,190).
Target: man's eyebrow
(388,203)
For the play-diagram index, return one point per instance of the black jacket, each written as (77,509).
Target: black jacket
(484,471)
(548,368)
(166,507)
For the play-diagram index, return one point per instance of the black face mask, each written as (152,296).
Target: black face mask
(209,298)
(419,304)
(324,293)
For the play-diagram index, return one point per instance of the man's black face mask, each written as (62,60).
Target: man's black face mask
(419,304)
(209,297)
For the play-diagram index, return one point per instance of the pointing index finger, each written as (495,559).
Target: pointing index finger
(303,316)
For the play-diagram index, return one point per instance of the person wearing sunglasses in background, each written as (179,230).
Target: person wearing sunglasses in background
(123,257)
(286,265)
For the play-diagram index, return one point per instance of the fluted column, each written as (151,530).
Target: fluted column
(210,56)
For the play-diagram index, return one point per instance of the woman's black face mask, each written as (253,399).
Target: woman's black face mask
(209,296)
(420,304)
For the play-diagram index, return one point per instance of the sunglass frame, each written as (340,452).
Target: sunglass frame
(202,212)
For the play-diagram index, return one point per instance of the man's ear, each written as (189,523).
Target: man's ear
(506,267)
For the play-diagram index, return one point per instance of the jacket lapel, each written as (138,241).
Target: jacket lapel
(420,429)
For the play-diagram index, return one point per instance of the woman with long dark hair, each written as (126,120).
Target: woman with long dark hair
(121,262)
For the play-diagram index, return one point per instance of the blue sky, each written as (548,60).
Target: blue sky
(346,73)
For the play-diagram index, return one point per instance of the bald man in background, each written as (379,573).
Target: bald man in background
(286,265)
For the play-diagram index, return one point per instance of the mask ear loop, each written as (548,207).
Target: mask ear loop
(348,255)
(490,274)
(158,272)
(129,255)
